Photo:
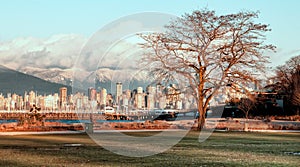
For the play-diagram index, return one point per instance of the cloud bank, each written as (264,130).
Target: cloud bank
(59,51)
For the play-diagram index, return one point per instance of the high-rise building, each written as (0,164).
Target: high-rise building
(128,94)
(20,103)
(41,102)
(77,99)
(140,90)
(150,102)
(92,94)
(139,98)
(159,88)
(150,98)
(2,102)
(172,96)
(103,95)
(63,97)
(26,101)
(109,100)
(162,102)
(118,92)
(32,97)
(98,97)
(49,102)
(56,101)
(151,89)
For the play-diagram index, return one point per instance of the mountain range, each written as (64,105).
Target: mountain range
(12,81)
(54,59)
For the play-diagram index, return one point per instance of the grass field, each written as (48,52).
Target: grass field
(220,149)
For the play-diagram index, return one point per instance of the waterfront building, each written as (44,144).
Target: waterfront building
(98,97)
(179,105)
(92,94)
(40,102)
(119,92)
(139,90)
(151,89)
(31,98)
(2,101)
(109,100)
(139,98)
(128,93)
(79,105)
(85,103)
(56,101)
(63,97)
(103,97)
(70,102)
(150,101)
(150,98)
(159,88)
(172,96)
(49,103)
(162,102)
(20,103)
(77,101)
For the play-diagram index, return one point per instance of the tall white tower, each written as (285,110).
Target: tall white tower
(118,92)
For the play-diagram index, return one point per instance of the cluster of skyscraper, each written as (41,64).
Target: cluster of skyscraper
(154,97)
(13,102)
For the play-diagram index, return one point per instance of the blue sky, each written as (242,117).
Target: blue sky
(44,18)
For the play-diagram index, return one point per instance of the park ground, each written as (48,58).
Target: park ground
(220,149)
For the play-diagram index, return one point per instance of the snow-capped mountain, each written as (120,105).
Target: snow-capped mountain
(57,75)
(55,59)
(119,75)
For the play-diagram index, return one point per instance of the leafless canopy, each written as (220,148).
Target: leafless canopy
(207,52)
(284,75)
(296,87)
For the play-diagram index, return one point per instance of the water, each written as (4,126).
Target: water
(72,121)
(66,121)
(8,121)
(103,121)
(88,121)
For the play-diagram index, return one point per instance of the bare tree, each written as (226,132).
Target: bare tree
(295,99)
(206,52)
(287,82)
(246,105)
(283,78)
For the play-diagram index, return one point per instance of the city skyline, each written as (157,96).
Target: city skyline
(153,97)
(50,53)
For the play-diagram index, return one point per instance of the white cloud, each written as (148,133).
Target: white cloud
(58,56)
(58,50)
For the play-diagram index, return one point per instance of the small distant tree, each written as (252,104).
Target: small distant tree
(206,51)
(33,117)
(246,105)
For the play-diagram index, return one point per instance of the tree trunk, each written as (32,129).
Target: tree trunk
(201,118)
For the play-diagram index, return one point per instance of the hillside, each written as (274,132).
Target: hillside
(17,82)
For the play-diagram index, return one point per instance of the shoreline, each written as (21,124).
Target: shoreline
(132,131)
(158,125)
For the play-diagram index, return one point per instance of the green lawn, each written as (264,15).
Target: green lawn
(221,149)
